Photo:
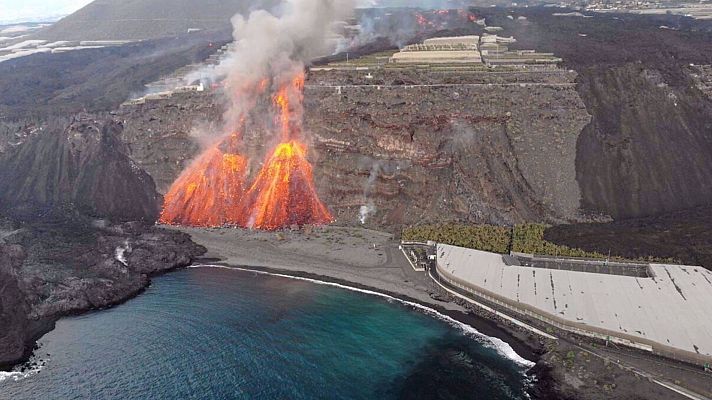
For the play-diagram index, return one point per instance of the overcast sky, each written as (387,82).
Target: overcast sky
(36,10)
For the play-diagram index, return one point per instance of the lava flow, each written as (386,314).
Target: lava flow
(208,192)
(283,193)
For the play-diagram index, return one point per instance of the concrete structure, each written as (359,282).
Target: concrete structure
(665,313)
(437,57)
(467,41)
(446,50)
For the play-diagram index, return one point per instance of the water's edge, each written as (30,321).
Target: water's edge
(527,354)
(502,347)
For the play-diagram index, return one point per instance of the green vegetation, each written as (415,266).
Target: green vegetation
(481,237)
(524,238)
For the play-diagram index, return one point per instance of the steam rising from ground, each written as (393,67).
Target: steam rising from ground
(378,168)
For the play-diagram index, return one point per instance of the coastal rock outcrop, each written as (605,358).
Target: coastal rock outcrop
(14,309)
(48,271)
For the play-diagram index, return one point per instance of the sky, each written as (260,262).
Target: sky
(12,11)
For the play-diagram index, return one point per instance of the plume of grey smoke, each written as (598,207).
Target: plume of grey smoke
(276,47)
(270,48)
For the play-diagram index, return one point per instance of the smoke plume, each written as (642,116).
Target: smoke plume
(263,82)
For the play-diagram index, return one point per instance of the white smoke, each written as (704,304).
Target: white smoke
(386,169)
(369,208)
(273,45)
(365,211)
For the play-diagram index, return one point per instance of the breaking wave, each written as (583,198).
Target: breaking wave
(25,370)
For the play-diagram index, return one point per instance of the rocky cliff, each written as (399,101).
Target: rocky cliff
(409,146)
(48,271)
(14,309)
(78,166)
(649,148)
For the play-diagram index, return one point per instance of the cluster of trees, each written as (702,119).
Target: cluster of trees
(481,237)
(529,238)
(524,238)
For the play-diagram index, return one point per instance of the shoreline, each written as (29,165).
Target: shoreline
(47,324)
(482,326)
(384,275)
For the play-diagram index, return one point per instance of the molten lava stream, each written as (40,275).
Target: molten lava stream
(208,192)
(283,193)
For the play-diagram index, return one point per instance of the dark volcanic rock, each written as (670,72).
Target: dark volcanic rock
(685,236)
(13,307)
(79,167)
(649,145)
(649,148)
(48,271)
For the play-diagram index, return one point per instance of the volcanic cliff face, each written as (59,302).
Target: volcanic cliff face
(14,309)
(80,166)
(423,146)
(648,148)
(458,147)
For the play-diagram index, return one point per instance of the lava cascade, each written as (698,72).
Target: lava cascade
(208,192)
(283,193)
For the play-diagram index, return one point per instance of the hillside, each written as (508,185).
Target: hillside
(648,148)
(143,19)
(95,79)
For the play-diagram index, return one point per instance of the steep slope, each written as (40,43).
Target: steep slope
(648,147)
(405,154)
(14,309)
(144,19)
(80,167)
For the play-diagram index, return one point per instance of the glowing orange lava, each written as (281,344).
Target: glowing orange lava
(208,192)
(283,193)
(283,100)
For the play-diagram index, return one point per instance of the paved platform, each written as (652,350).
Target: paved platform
(669,308)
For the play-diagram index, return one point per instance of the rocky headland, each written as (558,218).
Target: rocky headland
(77,233)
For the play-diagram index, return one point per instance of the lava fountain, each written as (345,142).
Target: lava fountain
(283,193)
(263,75)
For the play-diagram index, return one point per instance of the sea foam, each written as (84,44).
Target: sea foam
(17,374)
